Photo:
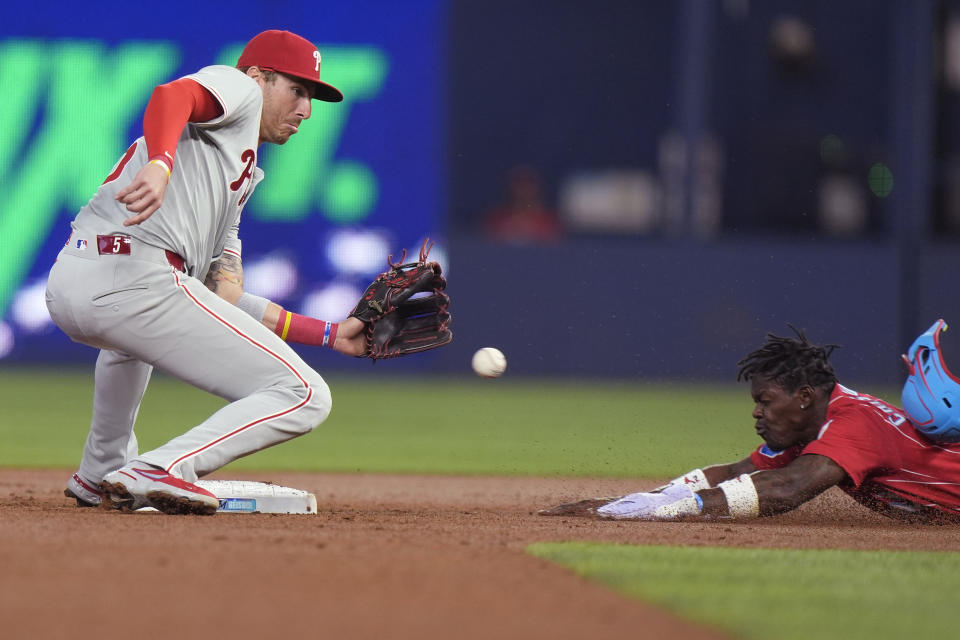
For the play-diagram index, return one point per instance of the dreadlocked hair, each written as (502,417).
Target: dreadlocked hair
(790,362)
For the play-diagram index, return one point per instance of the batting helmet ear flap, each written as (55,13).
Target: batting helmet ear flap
(931,394)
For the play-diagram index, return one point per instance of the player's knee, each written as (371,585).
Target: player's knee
(318,402)
(313,401)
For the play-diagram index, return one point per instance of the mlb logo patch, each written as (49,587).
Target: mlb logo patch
(81,244)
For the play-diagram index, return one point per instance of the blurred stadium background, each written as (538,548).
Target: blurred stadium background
(617,189)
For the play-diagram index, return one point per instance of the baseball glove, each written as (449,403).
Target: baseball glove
(399,323)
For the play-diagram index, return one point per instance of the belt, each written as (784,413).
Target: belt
(119,245)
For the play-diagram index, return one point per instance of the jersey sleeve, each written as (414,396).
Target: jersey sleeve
(232,244)
(231,241)
(171,106)
(238,94)
(859,442)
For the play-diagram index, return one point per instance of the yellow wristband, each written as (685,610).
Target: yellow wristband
(162,164)
(286,326)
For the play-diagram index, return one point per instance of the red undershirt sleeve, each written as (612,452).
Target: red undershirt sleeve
(171,107)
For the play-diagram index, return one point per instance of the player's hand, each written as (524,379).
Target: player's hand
(351,337)
(673,501)
(144,194)
(582,508)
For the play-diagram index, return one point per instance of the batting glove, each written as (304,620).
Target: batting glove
(674,501)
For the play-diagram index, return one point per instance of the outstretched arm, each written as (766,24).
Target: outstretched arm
(686,485)
(711,476)
(225,278)
(742,492)
(779,490)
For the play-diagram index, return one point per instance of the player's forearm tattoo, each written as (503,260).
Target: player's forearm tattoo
(227,269)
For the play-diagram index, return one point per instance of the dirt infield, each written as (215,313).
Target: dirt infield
(386,557)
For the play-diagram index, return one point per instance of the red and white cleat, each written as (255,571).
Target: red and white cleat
(140,485)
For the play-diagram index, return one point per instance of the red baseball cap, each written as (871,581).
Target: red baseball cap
(288,53)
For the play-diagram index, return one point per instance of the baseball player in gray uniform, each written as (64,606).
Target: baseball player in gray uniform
(151,275)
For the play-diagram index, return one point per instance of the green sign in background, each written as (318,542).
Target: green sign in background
(71,104)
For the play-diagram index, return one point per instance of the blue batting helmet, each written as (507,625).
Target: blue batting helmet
(931,394)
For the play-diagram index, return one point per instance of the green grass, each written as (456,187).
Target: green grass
(458,426)
(784,594)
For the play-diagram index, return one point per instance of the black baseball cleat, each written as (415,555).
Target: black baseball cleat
(85,494)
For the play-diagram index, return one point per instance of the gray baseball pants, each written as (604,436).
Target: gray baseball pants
(143,313)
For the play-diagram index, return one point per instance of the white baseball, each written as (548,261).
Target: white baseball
(489,362)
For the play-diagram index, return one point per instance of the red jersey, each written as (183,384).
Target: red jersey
(891,467)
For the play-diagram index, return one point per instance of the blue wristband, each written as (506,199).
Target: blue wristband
(699,502)
(326,334)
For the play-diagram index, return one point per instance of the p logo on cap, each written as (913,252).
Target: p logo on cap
(291,54)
